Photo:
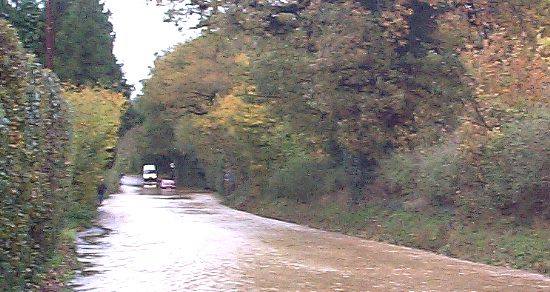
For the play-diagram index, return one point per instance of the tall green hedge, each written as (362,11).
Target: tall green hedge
(34,176)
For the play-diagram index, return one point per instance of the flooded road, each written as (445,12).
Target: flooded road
(155,240)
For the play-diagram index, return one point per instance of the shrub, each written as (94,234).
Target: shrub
(302,179)
(438,175)
(433,173)
(399,172)
(516,167)
(335,179)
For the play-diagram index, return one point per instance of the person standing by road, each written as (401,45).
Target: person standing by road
(228,182)
(101,189)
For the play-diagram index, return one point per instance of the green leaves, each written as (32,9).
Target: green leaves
(28,18)
(95,119)
(84,46)
(33,151)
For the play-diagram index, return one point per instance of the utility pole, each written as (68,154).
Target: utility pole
(50,35)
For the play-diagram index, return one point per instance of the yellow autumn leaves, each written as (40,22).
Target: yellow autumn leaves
(95,115)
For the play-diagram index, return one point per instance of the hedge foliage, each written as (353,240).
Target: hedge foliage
(55,145)
(34,147)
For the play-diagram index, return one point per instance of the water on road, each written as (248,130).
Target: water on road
(157,240)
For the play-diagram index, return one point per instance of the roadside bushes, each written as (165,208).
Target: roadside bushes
(300,179)
(431,173)
(516,167)
(305,179)
(127,158)
(34,147)
(508,173)
(52,154)
(95,115)
(439,174)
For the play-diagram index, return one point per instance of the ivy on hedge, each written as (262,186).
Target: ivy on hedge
(34,175)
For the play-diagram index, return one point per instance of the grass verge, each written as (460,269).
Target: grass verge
(62,264)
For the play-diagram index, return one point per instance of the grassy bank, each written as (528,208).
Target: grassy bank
(496,242)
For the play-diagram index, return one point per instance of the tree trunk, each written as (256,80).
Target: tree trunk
(50,34)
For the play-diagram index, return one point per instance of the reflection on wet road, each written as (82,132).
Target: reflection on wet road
(153,240)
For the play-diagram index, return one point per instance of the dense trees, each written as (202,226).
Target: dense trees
(84,46)
(28,18)
(352,85)
(83,53)
(415,109)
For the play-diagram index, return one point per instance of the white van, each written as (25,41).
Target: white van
(150,174)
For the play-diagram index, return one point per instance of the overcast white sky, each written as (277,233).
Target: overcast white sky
(140,33)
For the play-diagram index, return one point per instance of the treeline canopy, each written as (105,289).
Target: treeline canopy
(84,37)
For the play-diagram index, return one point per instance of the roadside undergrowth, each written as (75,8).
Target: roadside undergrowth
(60,267)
